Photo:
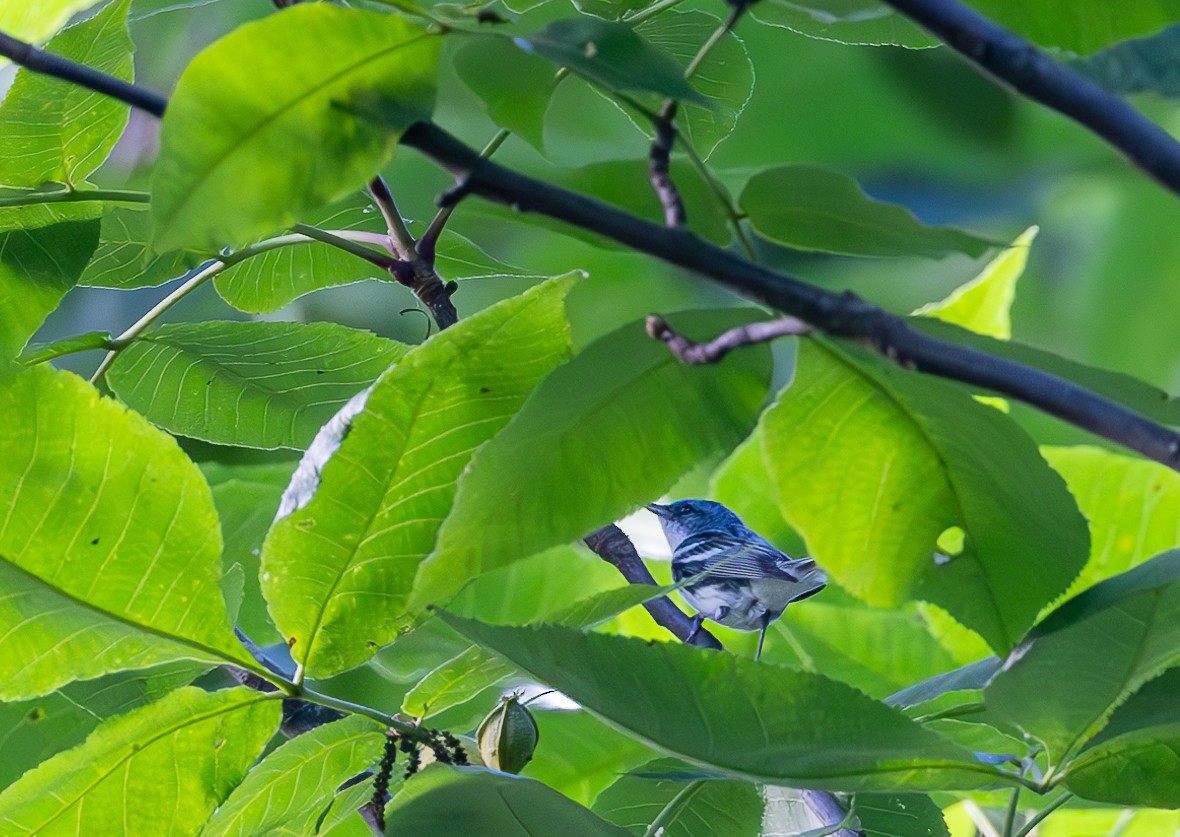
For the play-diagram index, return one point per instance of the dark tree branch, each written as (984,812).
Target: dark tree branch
(842,315)
(1035,75)
(692,352)
(613,546)
(659,163)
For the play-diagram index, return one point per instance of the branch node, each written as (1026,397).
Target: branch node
(691,352)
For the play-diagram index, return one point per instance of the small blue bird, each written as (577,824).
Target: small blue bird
(744,581)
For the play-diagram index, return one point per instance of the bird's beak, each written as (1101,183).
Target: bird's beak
(657,509)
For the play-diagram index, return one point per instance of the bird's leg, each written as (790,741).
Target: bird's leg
(762,635)
(696,628)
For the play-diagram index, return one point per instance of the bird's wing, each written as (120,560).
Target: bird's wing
(726,556)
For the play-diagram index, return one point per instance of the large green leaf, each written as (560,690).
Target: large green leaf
(867,22)
(291,787)
(264,385)
(285,114)
(444,801)
(757,720)
(54,131)
(37,267)
(610,54)
(1088,656)
(603,434)
(810,208)
(701,808)
(337,572)
(1132,506)
(202,742)
(124,258)
(900,815)
(1081,26)
(109,541)
(515,86)
(905,458)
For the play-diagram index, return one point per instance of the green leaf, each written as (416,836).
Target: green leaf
(972,676)
(106,526)
(456,681)
(901,815)
(701,808)
(203,742)
(515,87)
(984,304)
(1089,655)
(54,131)
(1082,26)
(289,789)
(448,800)
(905,458)
(1136,66)
(34,22)
(579,755)
(1132,506)
(780,726)
(37,267)
(263,385)
(725,77)
(280,116)
(1133,760)
(866,22)
(40,352)
(124,258)
(337,572)
(612,55)
(626,417)
(810,208)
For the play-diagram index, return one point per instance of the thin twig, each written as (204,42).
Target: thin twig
(375,257)
(35,197)
(428,244)
(659,164)
(612,545)
(1037,818)
(691,352)
(399,235)
(1036,76)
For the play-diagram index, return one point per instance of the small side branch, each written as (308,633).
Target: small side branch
(691,352)
(612,545)
(659,162)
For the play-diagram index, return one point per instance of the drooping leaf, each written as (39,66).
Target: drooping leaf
(972,676)
(610,54)
(40,352)
(906,458)
(203,742)
(1082,26)
(452,800)
(984,304)
(283,115)
(456,681)
(1133,760)
(124,258)
(515,86)
(52,131)
(1132,506)
(626,417)
(865,22)
(700,808)
(1136,66)
(37,267)
(899,815)
(1089,655)
(109,529)
(289,789)
(337,573)
(810,208)
(780,726)
(264,385)
(725,77)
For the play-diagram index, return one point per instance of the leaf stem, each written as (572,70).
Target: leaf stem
(1013,810)
(673,807)
(399,234)
(35,197)
(641,15)
(1040,815)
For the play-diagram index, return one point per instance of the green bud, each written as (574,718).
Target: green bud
(508,736)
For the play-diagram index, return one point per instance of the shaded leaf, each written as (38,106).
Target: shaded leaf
(204,742)
(264,385)
(515,86)
(580,755)
(625,416)
(866,22)
(1082,26)
(1136,66)
(280,116)
(969,677)
(810,208)
(906,458)
(901,815)
(338,571)
(456,681)
(779,725)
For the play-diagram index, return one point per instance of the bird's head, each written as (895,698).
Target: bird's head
(688,517)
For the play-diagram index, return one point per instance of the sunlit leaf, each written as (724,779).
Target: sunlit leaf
(124,258)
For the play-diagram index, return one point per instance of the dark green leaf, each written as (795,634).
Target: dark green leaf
(264,385)
(338,571)
(579,755)
(626,417)
(610,54)
(971,676)
(515,87)
(280,117)
(1061,685)
(444,801)
(1082,26)
(901,815)
(905,458)
(757,720)
(203,742)
(867,22)
(1136,66)
(810,208)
